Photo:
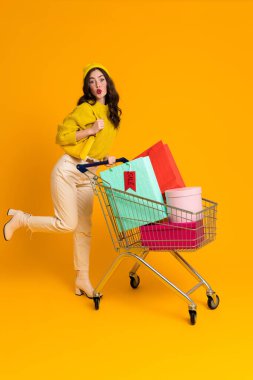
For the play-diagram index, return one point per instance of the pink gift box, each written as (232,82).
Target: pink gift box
(162,236)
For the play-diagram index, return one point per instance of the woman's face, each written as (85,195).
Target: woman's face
(98,85)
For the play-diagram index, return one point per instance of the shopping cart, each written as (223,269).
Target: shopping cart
(128,219)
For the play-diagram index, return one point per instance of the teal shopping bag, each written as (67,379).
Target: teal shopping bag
(133,178)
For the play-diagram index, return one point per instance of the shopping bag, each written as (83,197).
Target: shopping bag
(165,168)
(133,178)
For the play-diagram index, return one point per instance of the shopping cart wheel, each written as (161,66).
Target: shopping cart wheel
(96,302)
(134,281)
(193,316)
(211,302)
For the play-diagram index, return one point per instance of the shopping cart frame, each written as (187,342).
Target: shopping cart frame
(129,245)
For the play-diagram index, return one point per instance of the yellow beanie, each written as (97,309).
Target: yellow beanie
(91,66)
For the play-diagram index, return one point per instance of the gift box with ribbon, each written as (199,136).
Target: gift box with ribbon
(135,177)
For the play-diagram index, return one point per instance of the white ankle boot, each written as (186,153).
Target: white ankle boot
(83,285)
(18,220)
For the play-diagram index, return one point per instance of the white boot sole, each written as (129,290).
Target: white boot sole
(11,211)
(4,232)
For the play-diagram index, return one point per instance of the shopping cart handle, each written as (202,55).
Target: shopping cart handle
(84,167)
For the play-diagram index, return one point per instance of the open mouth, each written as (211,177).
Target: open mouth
(99,91)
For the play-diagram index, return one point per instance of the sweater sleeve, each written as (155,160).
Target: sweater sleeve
(80,118)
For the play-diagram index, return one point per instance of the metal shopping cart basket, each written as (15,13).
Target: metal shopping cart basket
(139,225)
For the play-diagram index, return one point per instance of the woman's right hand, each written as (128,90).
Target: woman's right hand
(97,127)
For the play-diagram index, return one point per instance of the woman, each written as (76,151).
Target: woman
(86,135)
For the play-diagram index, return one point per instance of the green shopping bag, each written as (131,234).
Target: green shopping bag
(133,178)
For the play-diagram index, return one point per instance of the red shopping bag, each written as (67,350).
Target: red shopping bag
(165,168)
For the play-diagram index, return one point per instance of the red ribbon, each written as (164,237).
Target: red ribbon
(130,180)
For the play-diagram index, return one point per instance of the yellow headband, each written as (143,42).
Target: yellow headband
(91,66)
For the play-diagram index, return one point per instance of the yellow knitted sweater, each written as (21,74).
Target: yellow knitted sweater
(82,117)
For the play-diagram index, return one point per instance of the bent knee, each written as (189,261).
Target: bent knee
(67,226)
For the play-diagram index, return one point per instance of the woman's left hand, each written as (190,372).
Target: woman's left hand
(111,160)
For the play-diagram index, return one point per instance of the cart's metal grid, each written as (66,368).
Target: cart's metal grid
(129,243)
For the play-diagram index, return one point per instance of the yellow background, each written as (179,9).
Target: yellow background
(184,73)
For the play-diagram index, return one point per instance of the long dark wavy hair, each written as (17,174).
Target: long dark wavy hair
(111,98)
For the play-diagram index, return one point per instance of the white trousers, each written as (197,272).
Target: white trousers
(72,197)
